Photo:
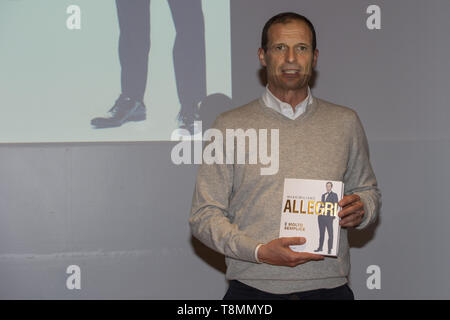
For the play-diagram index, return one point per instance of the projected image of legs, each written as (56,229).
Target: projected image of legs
(134,46)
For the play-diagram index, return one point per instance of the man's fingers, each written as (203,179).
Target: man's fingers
(277,252)
(289,241)
(348,199)
(352,219)
(309,256)
(356,207)
(303,257)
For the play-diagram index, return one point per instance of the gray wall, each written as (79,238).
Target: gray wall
(119,210)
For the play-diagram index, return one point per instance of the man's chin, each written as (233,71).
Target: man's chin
(289,84)
(294,83)
(294,86)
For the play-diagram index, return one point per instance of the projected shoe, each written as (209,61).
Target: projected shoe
(125,109)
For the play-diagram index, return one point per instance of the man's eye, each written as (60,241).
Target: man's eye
(280,47)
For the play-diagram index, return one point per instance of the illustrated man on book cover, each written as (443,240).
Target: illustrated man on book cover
(326,221)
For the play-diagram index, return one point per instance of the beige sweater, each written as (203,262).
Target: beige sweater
(234,207)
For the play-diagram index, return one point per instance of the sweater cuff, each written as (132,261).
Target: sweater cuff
(256,252)
(368,211)
(245,249)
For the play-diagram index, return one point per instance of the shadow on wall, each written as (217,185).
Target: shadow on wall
(211,107)
(359,238)
(211,257)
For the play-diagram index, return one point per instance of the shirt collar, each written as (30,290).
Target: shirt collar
(285,108)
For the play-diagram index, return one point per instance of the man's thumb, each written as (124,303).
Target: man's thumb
(293,241)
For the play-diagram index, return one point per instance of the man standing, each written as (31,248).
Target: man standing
(326,221)
(236,210)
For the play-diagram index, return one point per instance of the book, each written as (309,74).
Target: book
(310,209)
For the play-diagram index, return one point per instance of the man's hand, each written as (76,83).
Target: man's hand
(352,212)
(277,252)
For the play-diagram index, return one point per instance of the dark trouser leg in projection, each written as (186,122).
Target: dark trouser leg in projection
(189,58)
(134,46)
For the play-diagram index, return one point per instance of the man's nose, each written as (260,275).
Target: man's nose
(290,55)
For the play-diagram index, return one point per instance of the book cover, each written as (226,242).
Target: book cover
(310,209)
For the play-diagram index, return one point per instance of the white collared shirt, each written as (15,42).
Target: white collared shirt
(285,108)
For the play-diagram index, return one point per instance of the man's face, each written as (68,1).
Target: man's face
(289,59)
(328,187)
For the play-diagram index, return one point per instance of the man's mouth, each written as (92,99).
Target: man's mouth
(291,72)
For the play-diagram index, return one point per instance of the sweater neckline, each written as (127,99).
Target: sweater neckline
(310,109)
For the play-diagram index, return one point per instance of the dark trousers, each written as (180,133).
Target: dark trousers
(325,222)
(241,291)
(188,51)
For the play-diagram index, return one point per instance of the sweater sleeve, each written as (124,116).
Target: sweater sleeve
(210,219)
(359,177)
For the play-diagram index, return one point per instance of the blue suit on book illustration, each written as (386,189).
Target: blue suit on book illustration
(326,221)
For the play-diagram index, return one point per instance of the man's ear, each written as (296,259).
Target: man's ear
(315,57)
(262,57)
